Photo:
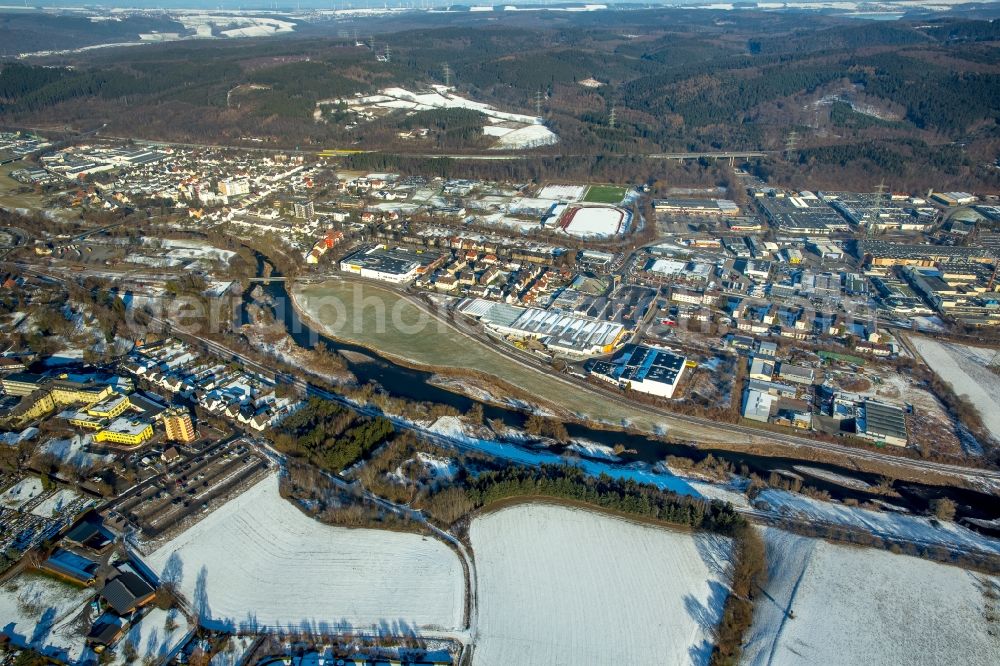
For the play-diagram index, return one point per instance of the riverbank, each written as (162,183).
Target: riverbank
(357,313)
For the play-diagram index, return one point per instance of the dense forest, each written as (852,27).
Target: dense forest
(328,435)
(571,483)
(677,80)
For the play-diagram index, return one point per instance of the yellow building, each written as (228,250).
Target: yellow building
(125,431)
(21,383)
(84,420)
(110,407)
(65,392)
(30,407)
(180,427)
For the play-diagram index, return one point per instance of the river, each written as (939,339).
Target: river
(416,385)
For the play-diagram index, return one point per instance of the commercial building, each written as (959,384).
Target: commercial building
(881,422)
(179,426)
(640,368)
(954,198)
(396,265)
(696,206)
(884,253)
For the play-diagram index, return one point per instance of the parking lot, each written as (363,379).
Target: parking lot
(189,486)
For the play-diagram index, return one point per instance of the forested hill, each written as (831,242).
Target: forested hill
(832,95)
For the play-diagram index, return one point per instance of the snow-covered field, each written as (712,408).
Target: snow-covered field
(864,606)
(259,562)
(566,586)
(594,220)
(40,612)
(966,369)
(21,492)
(517,130)
(882,523)
(563,192)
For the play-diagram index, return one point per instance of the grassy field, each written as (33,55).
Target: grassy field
(363,314)
(11,198)
(609,194)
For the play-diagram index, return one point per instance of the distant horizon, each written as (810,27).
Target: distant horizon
(297,5)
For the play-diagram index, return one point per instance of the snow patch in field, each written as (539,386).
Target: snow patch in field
(152,640)
(865,606)
(566,586)
(258,562)
(529,136)
(73,451)
(593,450)
(21,492)
(39,612)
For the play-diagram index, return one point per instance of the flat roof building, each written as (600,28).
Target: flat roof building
(757,405)
(125,431)
(641,368)
(396,265)
(882,422)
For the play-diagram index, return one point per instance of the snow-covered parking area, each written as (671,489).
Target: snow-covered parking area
(560,585)
(830,604)
(259,562)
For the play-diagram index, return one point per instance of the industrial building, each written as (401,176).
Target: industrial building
(882,423)
(804,214)
(757,405)
(876,211)
(640,368)
(558,330)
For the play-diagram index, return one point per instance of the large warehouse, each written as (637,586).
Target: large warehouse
(559,331)
(396,265)
(641,368)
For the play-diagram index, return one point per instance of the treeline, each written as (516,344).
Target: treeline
(328,435)
(749,578)
(840,38)
(571,483)
(966,31)
(617,169)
